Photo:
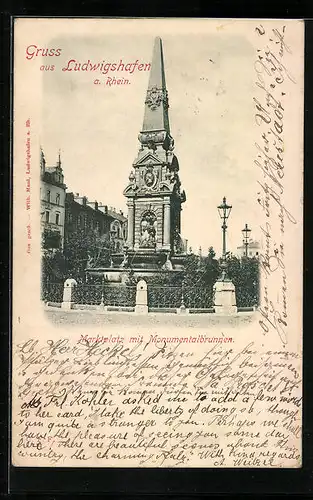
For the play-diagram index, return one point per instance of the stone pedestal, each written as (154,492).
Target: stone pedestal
(68,293)
(225,297)
(141,297)
(182,310)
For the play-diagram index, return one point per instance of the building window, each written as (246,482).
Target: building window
(47,216)
(57,219)
(114,229)
(57,199)
(48,196)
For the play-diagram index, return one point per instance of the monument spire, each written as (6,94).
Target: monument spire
(154,191)
(156,102)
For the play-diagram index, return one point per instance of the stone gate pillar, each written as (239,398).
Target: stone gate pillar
(68,293)
(225,297)
(141,306)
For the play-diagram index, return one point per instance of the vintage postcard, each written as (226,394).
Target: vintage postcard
(157,243)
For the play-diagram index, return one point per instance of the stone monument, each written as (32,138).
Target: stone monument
(154,194)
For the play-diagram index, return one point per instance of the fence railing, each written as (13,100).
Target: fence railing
(51,292)
(196,297)
(168,297)
(118,295)
(107,295)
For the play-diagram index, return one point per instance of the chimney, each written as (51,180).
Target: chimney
(69,197)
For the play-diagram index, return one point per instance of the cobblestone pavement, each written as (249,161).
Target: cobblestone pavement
(74,317)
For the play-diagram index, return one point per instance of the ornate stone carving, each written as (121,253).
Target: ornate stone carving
(150,139)
(125,262)
(148,228)
(149,177)
(168,266)
(178,242)
(155,96)
(183,196)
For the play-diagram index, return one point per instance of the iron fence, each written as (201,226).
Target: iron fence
(167,297)
(51,292)
(87,294)
(197,297)
(164,297)
(119,295)
(108,295)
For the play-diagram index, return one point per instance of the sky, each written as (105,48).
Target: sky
(210,82)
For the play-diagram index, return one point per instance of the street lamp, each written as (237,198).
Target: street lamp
(224,212)
(245,232)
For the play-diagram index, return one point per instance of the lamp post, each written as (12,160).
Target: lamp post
(224,213)
(246,231)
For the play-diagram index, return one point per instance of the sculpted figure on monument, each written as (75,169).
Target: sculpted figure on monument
(148,230)
(178,242)
(132,180)
(125,262)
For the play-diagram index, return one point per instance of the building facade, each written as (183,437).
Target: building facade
(85,216)
(118,228)
(252,249)
(52,204)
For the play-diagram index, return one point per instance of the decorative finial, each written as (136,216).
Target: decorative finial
(59,158)
(42,158)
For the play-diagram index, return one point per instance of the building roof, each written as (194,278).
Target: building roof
(118,216)
(251,244)
(83,201)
